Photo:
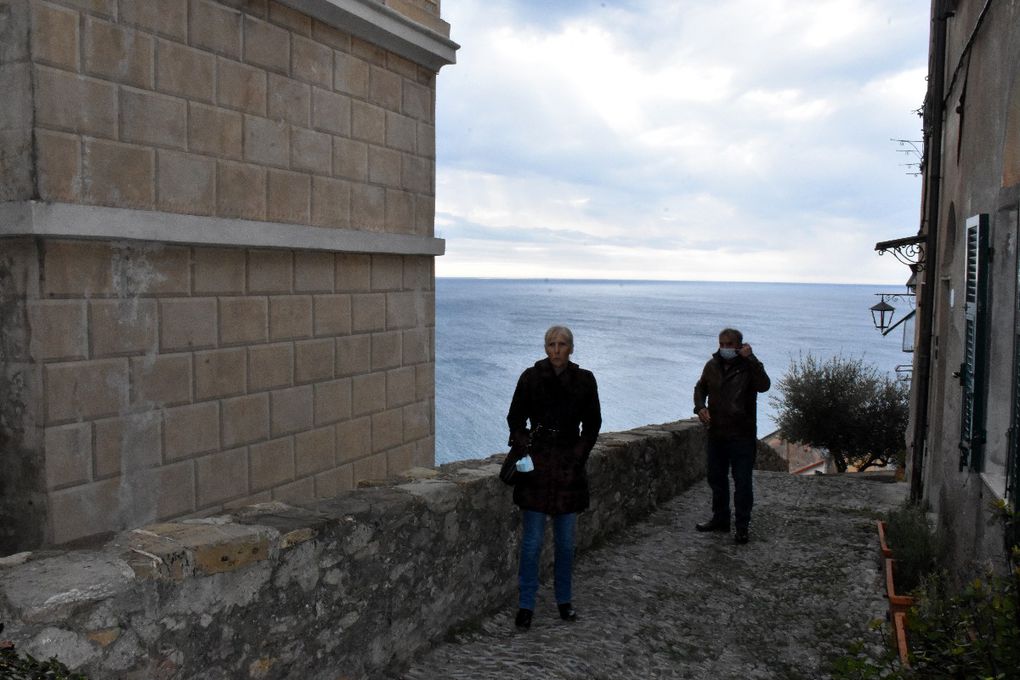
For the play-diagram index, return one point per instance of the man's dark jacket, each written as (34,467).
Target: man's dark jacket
(567,405)
(730,389)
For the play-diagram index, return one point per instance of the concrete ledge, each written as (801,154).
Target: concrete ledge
(428,45)
(347,588)
(35,218)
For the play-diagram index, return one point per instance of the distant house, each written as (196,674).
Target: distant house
(802,459)
(965,397)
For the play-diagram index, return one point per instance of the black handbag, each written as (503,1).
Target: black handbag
(508,473)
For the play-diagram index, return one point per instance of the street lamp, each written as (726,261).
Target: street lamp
(882,313)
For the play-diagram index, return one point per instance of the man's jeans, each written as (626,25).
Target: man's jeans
(737,455)
(533,533)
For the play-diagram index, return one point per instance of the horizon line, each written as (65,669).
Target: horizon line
(626,280)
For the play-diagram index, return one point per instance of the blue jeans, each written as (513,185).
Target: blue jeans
(724,456)
(532,536)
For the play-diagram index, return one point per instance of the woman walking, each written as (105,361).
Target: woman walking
(560,401)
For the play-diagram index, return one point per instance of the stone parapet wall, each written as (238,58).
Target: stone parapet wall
(146,381)
(342,588)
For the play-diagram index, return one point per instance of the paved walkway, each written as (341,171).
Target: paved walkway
(666,602)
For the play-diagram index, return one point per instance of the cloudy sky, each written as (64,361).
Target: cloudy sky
(679,139)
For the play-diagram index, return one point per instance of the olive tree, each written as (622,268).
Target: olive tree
(845,406)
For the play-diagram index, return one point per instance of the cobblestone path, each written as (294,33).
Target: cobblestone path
(663,601)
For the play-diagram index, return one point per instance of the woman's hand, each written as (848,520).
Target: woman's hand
(704,416)
(521,439)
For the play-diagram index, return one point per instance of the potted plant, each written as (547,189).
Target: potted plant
(917,549)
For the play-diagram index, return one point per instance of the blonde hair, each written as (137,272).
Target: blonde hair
(560,330)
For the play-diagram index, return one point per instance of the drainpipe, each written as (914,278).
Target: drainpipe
(934,112)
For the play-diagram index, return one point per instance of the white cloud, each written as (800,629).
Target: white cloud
(643,139)
(789,104)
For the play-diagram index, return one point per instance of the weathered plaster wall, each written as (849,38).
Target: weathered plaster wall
(337,589)
(979,175)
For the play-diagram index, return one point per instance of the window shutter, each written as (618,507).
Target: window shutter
(972,371)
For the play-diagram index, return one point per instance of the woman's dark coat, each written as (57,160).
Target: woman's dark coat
(568,405)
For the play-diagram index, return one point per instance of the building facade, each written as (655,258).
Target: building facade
(965,403)
(216,255)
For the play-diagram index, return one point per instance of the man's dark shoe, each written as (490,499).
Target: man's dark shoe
(523,620)
(567,612)
(713,525)
(741,536)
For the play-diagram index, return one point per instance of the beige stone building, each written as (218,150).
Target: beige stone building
(216,255)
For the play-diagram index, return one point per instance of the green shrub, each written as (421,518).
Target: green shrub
(972,634)
(845,406)
(968,634)
(14,666)
(916,548)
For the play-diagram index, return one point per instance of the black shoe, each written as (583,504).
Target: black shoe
(741,537)
(713,525)
(523,620)
(567,612)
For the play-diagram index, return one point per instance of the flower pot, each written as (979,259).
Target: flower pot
(897,602)
(882,544)
(899,627)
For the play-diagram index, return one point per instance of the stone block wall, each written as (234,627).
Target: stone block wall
(216,251)
(241,109)
(342,588)
(423,11)
(184,380)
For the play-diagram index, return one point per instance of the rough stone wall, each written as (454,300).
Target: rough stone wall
(23,506)
(243,109)
(185,380)
(339,589)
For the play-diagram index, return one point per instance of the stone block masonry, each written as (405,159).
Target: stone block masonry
(225,109)
(182,381)
(340,588)
(216,255)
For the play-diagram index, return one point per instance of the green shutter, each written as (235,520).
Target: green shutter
(972,371)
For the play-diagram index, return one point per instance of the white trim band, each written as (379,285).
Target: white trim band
(383,26)
(68,220)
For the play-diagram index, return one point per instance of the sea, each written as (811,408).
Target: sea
(645,341)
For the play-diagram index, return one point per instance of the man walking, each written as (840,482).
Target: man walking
(726,401)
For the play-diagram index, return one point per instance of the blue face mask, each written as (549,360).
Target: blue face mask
(727,352)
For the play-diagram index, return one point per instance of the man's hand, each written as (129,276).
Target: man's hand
(704,416)
(745,350)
